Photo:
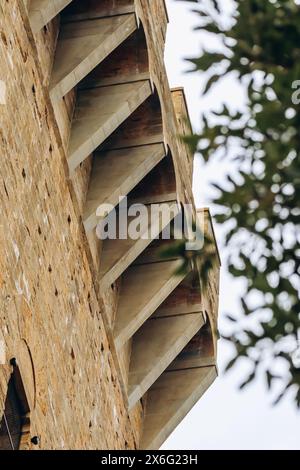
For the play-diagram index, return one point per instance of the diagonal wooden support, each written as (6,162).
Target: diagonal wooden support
(179,388)
(43,11)
(155,346)
(117,255)
(177,322)
(127,63)
(115,173)
(144,288)
(82,45)
(143,127)
(99,111)
(170,399)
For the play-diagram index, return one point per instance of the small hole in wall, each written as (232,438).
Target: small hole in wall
(69,219)
(3,37)
(102,347)
(24,173)
(50,268)
(56,292)
(45,29)
(39,230)
(14,420)
(47,189)
(50,148)
(5,189)
(72,354)
(90,424)
(33,89)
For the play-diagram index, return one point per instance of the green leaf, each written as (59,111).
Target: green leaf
(213,79)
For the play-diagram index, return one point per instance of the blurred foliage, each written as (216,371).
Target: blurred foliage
(190,259)
(260,198)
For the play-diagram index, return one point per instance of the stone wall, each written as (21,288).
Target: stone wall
(48,301)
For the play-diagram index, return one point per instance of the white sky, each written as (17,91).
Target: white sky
(224,418)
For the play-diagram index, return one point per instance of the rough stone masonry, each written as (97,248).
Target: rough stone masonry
(80,81)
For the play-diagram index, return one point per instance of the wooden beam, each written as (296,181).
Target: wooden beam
(182,384)
(185,128)
(169,400)
(83,45)
(99,111)
(43,11)
(115,173)
(143,127)
(199,352)
(211,294)
(127,63)
(155,346)
(144,288)
(117,255)
(186,298)
(160,181)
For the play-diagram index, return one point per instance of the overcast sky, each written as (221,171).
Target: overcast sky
(224,418)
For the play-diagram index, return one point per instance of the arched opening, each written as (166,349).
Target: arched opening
(14,424)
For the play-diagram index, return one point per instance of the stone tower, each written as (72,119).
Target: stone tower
(103,345)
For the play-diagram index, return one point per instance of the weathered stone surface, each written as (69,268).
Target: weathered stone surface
(48,296)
